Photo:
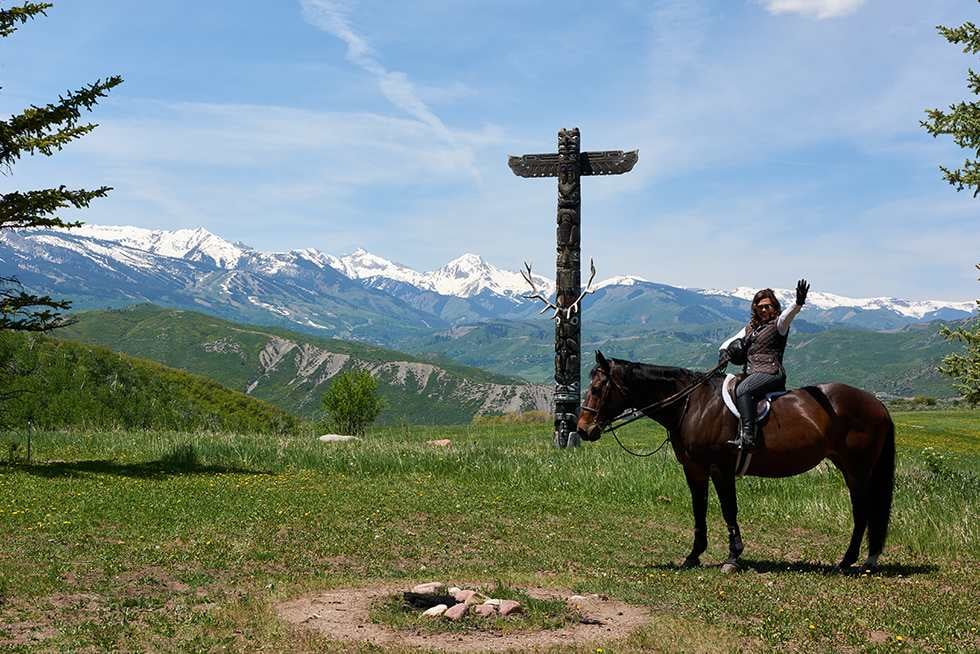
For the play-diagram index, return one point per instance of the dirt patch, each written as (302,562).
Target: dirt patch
(150,580)
(343,615)
(18,634)
(25,623)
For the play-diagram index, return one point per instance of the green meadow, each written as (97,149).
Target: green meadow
(167,541)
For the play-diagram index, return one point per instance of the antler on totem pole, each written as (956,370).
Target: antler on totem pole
(587,290)
(537,294)
(558,311)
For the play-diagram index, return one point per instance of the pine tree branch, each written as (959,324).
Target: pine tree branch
(10,17)
(31,208)
(962,121)
(967,33)
(22,311)
(48,128)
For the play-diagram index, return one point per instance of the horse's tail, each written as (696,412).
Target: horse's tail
(880,500)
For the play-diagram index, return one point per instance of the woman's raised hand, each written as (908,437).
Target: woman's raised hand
(802,288)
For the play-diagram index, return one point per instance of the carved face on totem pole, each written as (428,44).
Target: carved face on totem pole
(568,168)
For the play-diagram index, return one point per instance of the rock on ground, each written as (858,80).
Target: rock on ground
(433,587)
(435,611)
(337,438)
(456,612)
(485,610)
(464,595)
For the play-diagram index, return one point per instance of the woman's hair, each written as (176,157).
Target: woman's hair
(766,293)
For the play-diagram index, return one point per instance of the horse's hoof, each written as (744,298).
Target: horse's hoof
(844,566)
(690,562)
(871,564)
(729,567)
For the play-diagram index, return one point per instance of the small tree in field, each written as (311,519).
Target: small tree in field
(351,402)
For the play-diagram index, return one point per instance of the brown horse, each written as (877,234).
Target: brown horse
(828,421)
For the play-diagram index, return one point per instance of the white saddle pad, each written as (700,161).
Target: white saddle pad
(761,409)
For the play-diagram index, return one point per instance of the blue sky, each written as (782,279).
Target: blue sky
(778,138)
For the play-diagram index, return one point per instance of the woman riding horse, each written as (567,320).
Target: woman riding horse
(832,421)
(761,343)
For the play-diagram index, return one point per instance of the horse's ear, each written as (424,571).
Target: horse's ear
(601,360)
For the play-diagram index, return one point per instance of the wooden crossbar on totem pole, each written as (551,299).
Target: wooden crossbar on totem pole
(569,164)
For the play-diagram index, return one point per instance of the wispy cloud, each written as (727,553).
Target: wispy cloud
(819,9)
(333,16)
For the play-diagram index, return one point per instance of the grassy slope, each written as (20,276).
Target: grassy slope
(175,338)
(74,384)
(229,526)
(899,363)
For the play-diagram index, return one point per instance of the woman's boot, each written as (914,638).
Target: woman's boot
(746,418)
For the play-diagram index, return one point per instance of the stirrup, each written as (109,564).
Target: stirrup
(743,443)
(739,443)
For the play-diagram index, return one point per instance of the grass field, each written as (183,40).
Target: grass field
(177,542)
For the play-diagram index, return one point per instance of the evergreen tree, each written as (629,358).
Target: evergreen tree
(45,130)
(963,124)
(965,367)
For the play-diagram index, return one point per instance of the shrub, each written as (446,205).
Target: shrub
(351,402)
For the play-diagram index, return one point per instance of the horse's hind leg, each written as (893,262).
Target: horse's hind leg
(725,487)
(697,482)
(859,509)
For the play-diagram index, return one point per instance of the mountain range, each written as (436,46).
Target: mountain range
(362,295)
(468,311)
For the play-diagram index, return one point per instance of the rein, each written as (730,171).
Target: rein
(636,414)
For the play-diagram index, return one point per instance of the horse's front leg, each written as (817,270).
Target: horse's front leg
(697,482)
(724,481)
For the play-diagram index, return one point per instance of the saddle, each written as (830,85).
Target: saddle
(761,408)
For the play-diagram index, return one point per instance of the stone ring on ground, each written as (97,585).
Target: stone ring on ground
(344,615)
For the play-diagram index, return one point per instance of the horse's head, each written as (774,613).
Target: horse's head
(605,399)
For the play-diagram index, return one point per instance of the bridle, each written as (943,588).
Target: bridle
(635,414)
(605,391)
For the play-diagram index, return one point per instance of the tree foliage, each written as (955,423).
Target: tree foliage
(962,120)
(965,367)
(41,130)
(62,384)
(352,402)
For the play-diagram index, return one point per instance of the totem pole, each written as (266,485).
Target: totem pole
(569,165)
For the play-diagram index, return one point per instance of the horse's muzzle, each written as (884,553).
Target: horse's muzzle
(589,432)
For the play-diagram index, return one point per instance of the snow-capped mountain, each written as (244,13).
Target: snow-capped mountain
(465,276)
(621,280)
(915,309)
(364,295)
(190,244)
(361,264)
(195,269)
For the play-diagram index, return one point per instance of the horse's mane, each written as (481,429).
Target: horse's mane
(648,372)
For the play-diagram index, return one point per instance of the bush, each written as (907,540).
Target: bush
(351,402)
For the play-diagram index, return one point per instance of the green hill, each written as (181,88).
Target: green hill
(292,370)
(52,384)
(901,363)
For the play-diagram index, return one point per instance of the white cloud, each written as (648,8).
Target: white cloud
(333,17)
(818,9)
